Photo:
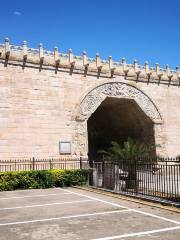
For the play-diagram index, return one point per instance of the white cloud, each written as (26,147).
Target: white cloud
(17,13)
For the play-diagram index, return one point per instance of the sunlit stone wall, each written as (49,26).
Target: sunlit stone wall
(42,105)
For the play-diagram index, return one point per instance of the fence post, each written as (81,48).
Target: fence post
(103,172)
(136,177)
(65,163)
(15,164)
(33,163)
(91,172)
(80,162)
(50,164)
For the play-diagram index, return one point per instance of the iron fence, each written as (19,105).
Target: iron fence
(153,178)
(159,179)
(42,164)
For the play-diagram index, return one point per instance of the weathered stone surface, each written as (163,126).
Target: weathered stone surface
(40,108)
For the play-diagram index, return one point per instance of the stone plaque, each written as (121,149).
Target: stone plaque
(65,147)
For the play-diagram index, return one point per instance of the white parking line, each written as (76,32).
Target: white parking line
(94,198)
(32,196)
(139,233)
(156,216)
(47,204)
(30,190)
(64,217)
(121,206)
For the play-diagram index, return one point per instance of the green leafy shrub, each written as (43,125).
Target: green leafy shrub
(42,179)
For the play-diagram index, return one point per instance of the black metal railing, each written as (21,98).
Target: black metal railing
(42,164)
(156,179)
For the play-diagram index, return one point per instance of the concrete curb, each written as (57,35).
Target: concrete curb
(118,196)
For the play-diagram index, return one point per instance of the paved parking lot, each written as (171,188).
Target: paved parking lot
(72,213)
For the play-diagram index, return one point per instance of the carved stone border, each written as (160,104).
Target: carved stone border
(96,96)
(119,90)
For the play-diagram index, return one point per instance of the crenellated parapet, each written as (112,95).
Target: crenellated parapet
(94,66)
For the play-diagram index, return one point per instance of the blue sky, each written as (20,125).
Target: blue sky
(134,29)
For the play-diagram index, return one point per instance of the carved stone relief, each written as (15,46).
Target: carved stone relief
(120,90)
(95,97)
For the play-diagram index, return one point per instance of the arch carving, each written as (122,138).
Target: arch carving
(119,90)
(96,96)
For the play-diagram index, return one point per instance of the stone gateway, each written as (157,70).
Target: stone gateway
(55,104)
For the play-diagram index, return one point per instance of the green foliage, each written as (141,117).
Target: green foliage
(130,150)
(42,179)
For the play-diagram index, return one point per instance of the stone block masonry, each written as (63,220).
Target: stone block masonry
(48,97)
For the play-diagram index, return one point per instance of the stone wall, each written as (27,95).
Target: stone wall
(41,106)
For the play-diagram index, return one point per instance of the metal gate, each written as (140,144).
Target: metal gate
(159,180)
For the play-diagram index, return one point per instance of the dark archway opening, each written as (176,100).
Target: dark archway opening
(116,120)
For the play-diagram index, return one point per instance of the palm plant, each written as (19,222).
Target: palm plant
(130,150)
(125,156)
